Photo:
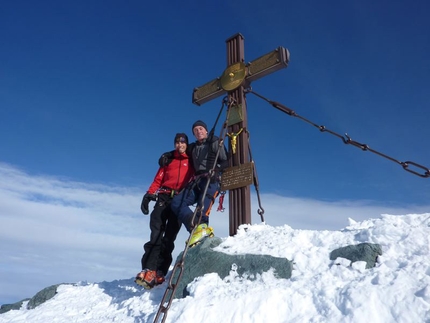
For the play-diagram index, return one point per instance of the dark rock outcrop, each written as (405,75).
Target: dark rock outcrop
(202,259)
(40,298)
(367,252)
(9,307)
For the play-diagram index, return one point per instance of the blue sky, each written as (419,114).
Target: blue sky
(96,90)
(92,92)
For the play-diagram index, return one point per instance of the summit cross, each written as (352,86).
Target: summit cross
(235,79)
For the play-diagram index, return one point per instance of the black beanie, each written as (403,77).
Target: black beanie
(199,123)
(181,137)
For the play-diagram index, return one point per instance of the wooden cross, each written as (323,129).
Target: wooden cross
(234,80)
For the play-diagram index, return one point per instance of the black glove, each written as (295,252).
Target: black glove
(145,202)
(166,158)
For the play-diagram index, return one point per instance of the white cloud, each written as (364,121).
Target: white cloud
(55,230)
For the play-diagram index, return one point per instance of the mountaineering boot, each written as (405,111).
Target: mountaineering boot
(201,232)
(159,278)
(146,278)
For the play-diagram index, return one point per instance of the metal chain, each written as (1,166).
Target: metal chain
(260,211)
(167,299)
(346,139)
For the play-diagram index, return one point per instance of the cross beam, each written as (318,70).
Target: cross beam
(256,69)
(234,80)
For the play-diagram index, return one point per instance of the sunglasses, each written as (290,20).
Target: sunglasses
(181,139)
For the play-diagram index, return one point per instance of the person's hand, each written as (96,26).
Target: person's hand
(145,202)
(165,159)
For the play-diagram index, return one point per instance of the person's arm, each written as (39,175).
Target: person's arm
(150,194)
(166,158)
(222,156)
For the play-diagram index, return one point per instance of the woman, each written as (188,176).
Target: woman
(168,182)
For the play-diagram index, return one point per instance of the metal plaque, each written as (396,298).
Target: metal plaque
(235,115)
(237,176)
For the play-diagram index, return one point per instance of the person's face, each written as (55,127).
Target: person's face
(180,146)
(200,133)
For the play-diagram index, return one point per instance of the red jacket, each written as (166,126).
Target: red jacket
(174,176)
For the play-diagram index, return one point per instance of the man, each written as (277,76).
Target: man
(203,154)
(169,181)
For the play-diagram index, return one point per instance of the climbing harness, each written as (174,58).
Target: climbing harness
(178,268)
(346,139)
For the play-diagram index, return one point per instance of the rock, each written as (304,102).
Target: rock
(202,259)
(367,252)
(42,296)
(9,307)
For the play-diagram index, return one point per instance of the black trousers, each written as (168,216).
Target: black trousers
(164,227)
